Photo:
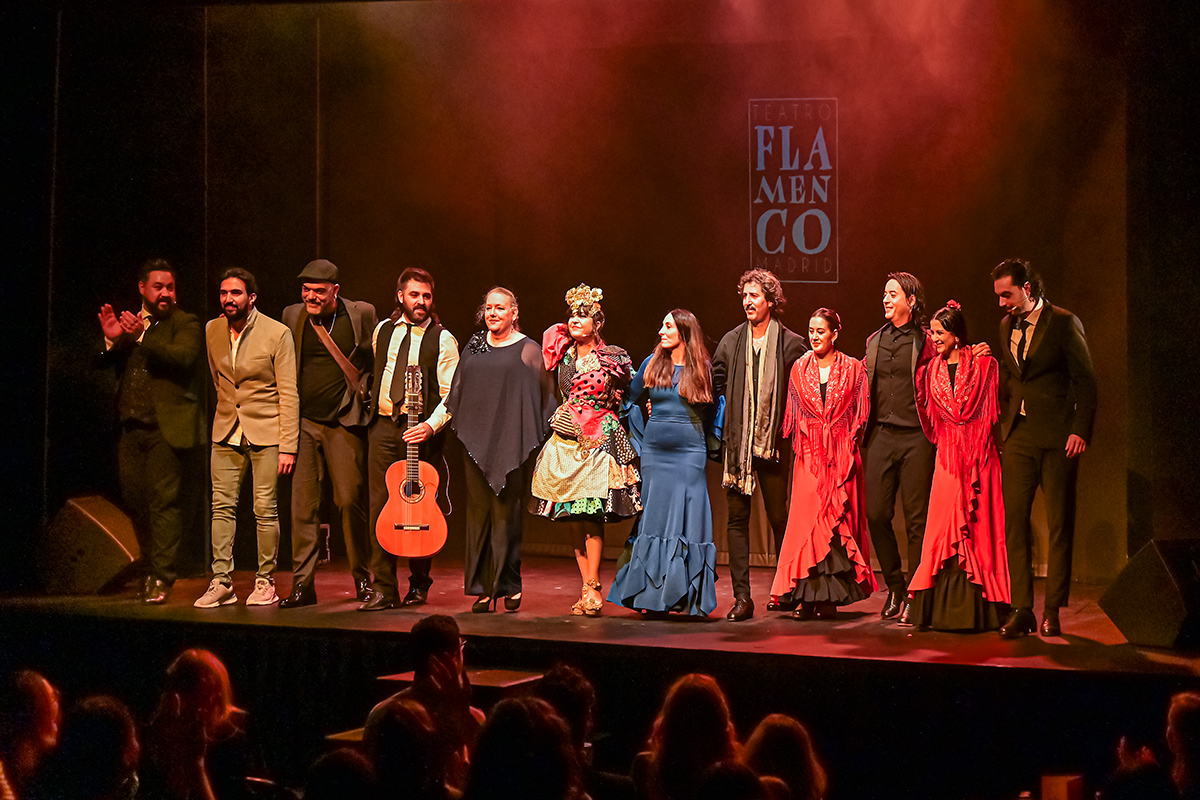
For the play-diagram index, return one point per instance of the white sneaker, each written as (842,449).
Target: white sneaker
(263,594)
(218,594)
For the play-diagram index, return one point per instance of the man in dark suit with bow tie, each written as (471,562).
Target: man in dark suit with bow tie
(1048,396)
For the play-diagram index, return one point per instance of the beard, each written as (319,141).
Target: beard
(417,314)
(235,313)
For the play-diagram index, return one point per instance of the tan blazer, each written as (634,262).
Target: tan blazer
(261,391)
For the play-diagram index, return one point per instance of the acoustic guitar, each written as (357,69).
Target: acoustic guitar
(411,524)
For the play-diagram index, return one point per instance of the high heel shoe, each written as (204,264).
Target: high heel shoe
(512,602)
(483,605)
(577,609)
(591,608)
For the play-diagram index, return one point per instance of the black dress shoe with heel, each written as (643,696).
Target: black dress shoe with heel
(893,605)
(415,597)
(512,602)
(787,603)
(1021,622)
(483,605)
(743,609)
(1050,624)
(302,595)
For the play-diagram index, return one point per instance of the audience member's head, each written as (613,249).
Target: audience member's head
(781,747)
(199,683)
(524,753)
(401,743)
(573,698)
(98,754)
(730,780)
(340,774)
(435,636)
(1143,782)
(693,731)
(30,720)
(1183,739)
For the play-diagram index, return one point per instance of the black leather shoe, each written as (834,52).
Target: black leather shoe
(378,602)
(893,605)
(145,587)
(743,609)
(363,593)
(157,592)
(1050,624)
(905,618)
(302,595)
(783,604)
(805,612)
(415,597)
(1021,622)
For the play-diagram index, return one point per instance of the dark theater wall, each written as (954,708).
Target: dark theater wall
(540,144)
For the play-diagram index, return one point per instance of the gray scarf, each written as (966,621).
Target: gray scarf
(760,421)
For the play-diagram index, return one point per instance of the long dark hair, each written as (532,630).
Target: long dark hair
(950,317)
(911,288)
(695,380)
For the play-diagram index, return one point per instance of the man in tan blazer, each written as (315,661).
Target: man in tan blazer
(257,425)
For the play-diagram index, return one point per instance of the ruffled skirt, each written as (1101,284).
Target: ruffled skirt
(672,561)
(600,483)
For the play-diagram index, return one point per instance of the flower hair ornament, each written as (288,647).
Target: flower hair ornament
(953,304)
(584,301)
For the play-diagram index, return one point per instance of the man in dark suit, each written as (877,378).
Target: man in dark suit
(899,451)
(156,351)
(333,419)
(1048,397)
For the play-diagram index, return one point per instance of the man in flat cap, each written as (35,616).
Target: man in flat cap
(334,360)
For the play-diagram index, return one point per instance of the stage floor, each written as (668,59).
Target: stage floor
(1090,641)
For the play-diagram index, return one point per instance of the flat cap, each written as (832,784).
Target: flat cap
(319,271)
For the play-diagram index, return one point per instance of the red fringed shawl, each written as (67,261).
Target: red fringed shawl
(825,432)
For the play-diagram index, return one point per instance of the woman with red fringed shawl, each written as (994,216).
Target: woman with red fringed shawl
(825,560)
(962,581)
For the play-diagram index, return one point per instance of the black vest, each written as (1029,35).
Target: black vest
(427,359)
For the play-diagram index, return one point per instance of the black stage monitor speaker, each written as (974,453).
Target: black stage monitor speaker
(87,544)
(1155,601)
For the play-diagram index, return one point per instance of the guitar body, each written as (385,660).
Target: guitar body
(411,524)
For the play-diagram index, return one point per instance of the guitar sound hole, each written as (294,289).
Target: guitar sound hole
(412,491)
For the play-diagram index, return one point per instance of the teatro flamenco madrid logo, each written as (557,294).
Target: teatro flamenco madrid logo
(793,188)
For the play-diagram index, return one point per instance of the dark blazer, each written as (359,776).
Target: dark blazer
(351,412)
(1058,385)
(922,353)
(173,348)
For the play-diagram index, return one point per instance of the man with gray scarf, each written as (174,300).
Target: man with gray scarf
(750,370)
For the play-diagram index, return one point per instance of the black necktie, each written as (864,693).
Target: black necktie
(1023,324)
(398,372)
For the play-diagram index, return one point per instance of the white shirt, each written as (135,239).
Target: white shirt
(447,363)
(1031,321)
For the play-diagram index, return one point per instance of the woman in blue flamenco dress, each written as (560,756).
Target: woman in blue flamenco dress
(672,559)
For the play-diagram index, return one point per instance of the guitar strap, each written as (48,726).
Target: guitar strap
(353,376)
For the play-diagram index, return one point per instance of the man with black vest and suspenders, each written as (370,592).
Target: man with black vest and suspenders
(411,335)
(333,366)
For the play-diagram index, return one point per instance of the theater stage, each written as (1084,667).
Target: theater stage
(891,708)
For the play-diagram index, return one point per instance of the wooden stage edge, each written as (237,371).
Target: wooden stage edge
(1090,642)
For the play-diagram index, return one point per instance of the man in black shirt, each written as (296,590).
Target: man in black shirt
(899,451)
(333,417)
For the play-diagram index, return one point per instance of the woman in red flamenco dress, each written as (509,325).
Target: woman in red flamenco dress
(962,582)
(824,561)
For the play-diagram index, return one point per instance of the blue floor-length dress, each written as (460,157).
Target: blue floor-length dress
(672,565)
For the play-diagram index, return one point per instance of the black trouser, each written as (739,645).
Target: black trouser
(386,446)
(897,458)
(1023,467)
(341,453)
(493,536)
(150,472)
(772,478)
